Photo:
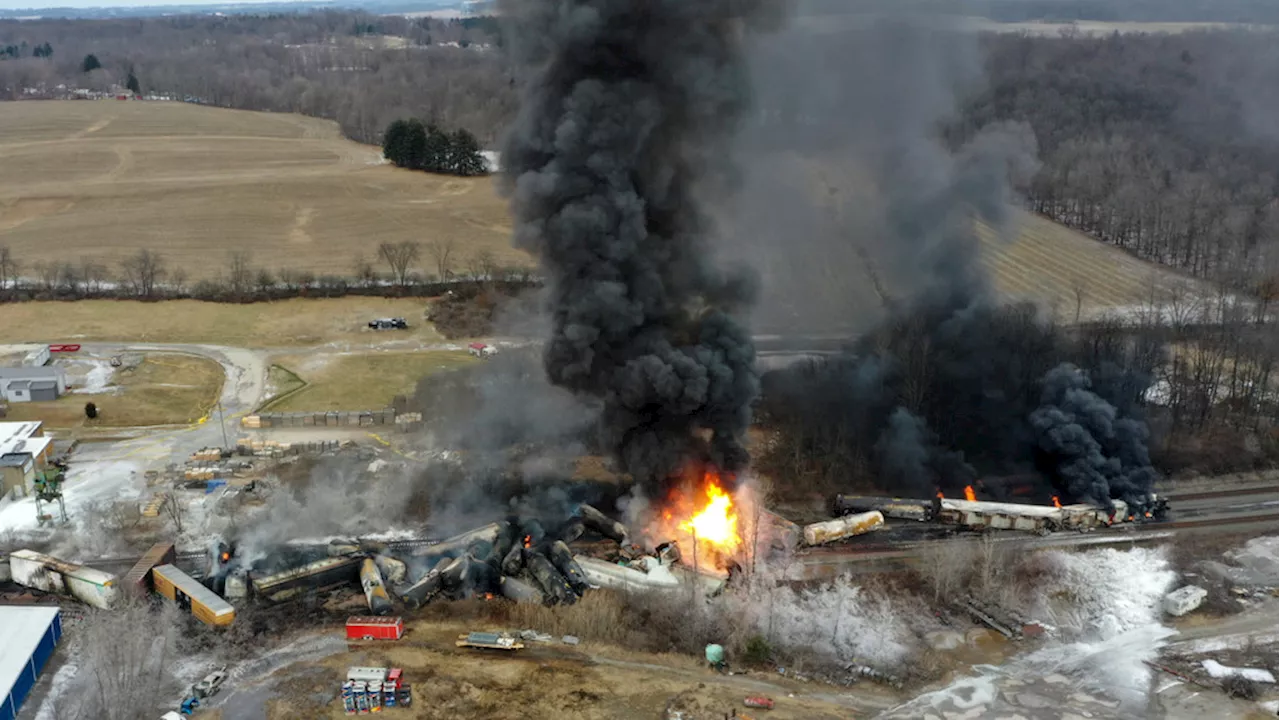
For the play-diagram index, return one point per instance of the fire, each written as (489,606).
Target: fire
(1056,503)
(528,540)
(940,497)
(226,556)
(969,494)
(717,523)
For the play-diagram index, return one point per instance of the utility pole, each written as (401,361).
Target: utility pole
(222,423)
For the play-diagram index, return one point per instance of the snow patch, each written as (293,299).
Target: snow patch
(97,380)
(1218,670)
(1105,593)
(58,685)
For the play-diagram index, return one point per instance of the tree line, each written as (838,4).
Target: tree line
(410,144)
(1164,145)
(152,276)
(450,73)
(14,51)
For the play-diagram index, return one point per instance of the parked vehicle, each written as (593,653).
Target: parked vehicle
(388,324)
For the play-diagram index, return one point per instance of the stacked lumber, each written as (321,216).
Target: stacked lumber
(152,508)
(251,421)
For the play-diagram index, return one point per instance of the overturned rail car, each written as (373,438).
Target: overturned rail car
(42,572)
(138,579)
(319,575)
(190,595)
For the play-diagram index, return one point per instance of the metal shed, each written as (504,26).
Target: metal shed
(28,636)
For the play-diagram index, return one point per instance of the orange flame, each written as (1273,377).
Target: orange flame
(226,556)
(940,497)
(969,494)
(717,523)
(528,540)
(1130,518)
(1056,503)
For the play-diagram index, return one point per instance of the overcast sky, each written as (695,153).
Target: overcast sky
(23,4)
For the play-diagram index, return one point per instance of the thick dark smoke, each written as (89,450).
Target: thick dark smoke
(623,130)
(947,382)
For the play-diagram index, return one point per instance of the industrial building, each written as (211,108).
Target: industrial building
(24,451)
(32,384)
(28,635)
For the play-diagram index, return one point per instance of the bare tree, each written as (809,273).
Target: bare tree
(174,511)
(399,256)
(265,281)
(125,656)
(1078,290)
(365,273)
(143,271)
(239,273)
(441,252)
(8,268)
(944,565)
(483,265)
(178,281)
(48,273)
(92,275)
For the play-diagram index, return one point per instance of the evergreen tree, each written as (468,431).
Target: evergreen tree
(467,160)
(132,84)
(415,144)
(48,50)
(90,63)
(436,156)
(393,142)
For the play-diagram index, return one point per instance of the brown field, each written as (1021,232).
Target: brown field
(102,179)
(1047,262)
(365,381)
(165,389)
(281,323)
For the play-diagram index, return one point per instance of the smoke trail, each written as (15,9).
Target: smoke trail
(620,137)
(945,379)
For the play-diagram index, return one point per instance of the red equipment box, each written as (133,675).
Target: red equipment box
(375,628)
(64,348)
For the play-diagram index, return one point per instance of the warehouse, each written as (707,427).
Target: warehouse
(27,636)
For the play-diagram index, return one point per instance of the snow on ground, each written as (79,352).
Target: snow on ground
(1259,555)
(840,620)
(92,482)
(1107,603)
(1271,706)
(59,684)
(1103,593)
(1218,670)
(96,380)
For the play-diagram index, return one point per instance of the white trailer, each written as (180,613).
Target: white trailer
(35,570)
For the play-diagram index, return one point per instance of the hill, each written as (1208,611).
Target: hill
(102,179)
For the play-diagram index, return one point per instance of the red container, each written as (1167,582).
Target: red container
(763,703)
(64,348)
(375,628)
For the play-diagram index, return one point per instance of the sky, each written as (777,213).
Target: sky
(37,4)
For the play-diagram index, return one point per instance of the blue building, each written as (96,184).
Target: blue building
(28,634)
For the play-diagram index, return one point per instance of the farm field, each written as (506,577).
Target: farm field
(361,381)
(1047,262)
(103,179)
(163,389)
(282,323)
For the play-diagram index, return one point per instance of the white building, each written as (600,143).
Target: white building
(32,384)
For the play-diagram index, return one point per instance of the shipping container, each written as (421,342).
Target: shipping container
(139,577)
(366,674)
(375,628)
(191,596)
(89,586)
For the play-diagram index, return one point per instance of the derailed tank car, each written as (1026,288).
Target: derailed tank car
(319,575)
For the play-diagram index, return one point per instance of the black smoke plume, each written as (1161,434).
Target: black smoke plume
(625,113)
(947,383)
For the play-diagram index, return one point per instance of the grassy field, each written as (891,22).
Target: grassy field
(165,389)
(366,381)
(102,179)
(276,324)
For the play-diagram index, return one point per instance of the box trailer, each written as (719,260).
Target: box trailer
(365,627)
(191,596)
(42,572)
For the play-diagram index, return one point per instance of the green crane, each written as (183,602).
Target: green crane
(48,487)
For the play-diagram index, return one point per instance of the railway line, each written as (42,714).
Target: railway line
(1248,509)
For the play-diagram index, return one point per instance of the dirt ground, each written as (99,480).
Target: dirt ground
(101,180)
(282,323)
(163,389)
(362,381)
(551,681)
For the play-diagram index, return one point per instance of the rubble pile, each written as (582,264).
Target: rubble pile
(518,558)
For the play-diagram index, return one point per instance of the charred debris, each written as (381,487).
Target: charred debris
(518,558)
